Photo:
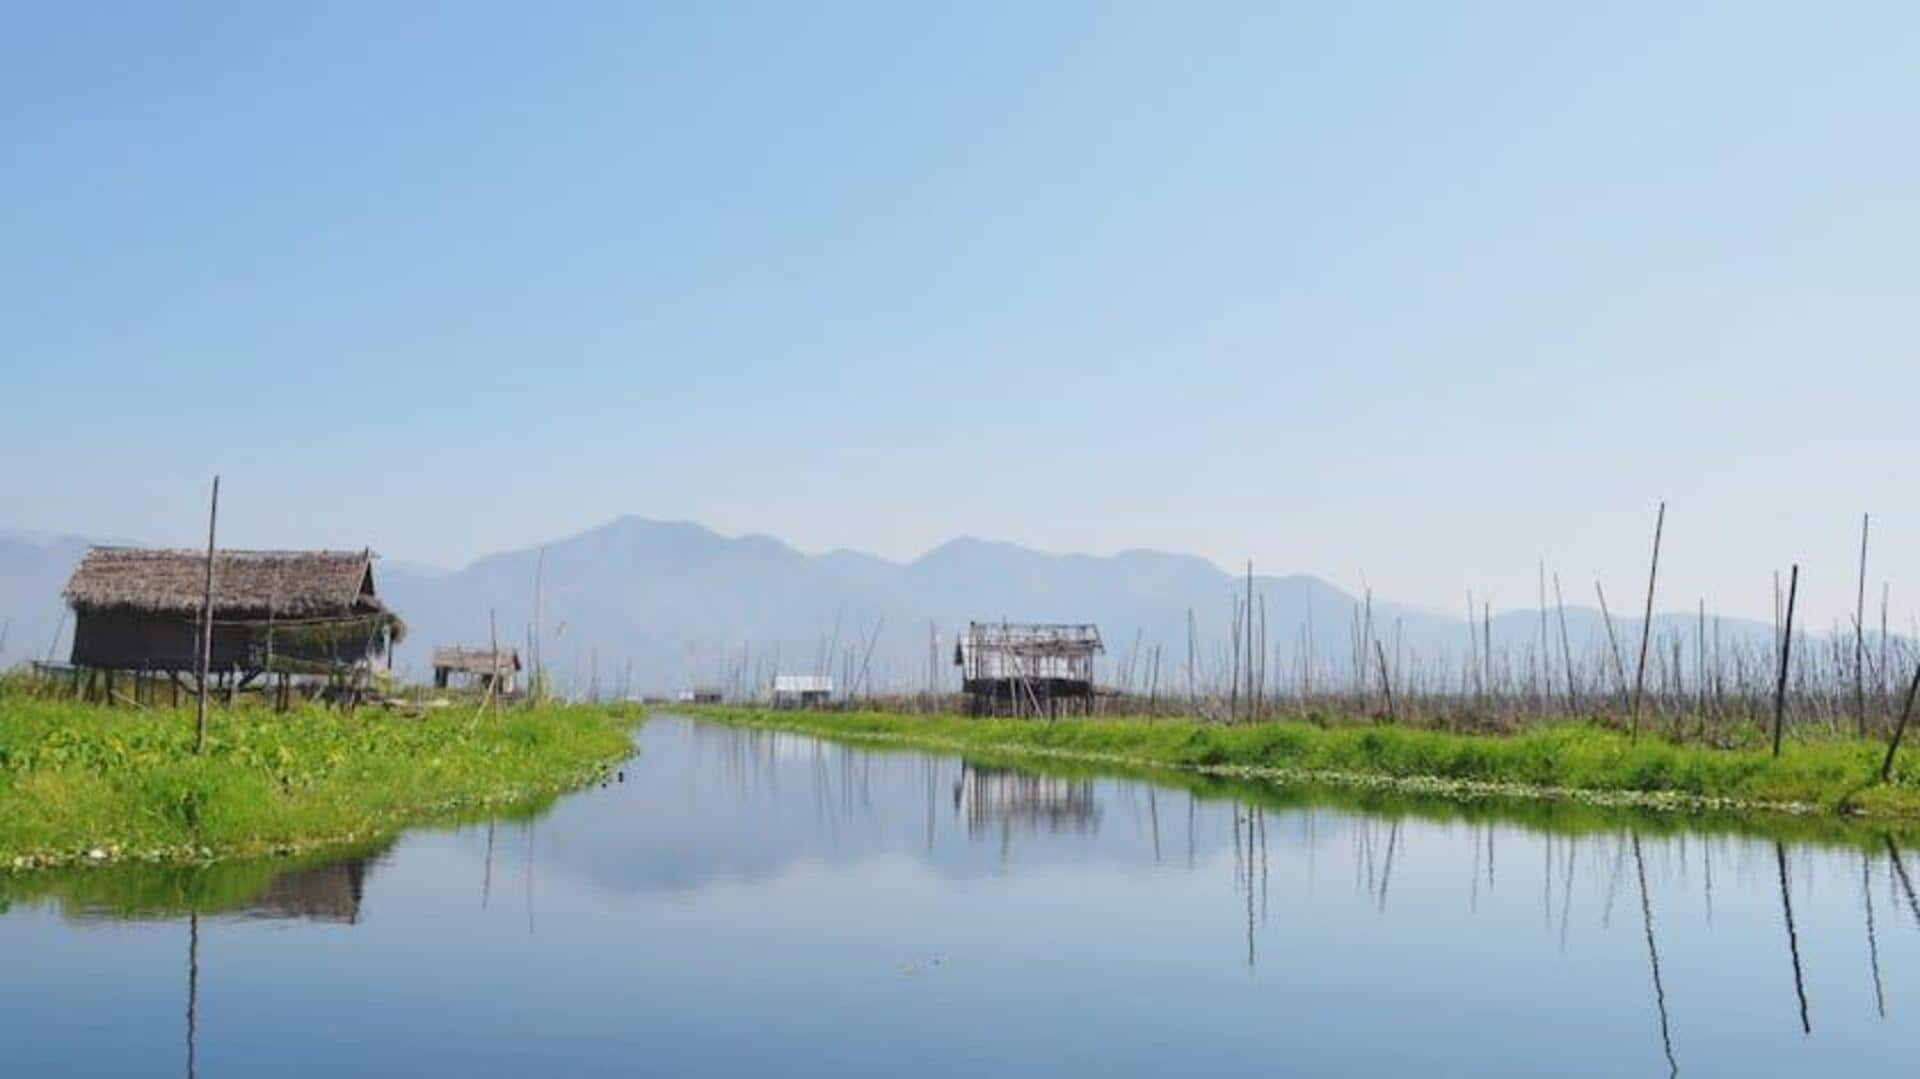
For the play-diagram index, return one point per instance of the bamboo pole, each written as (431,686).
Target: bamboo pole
(1566,649)
(1786,653)
(1899,732)
(1386,684)
(1252,700)
(1860,636)
(1646,624)
(538,659)
(205,658)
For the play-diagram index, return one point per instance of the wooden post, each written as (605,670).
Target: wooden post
(1566,648)
(1860,636)
(1786,653)
(205,658)
(1252,701)
(1646,624)
(1886,766)
(1386,684)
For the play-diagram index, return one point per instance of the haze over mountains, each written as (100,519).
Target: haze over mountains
(639,605)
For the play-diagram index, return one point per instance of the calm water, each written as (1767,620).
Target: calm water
(748,904)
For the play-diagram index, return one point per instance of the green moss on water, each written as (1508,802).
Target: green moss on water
(79,782)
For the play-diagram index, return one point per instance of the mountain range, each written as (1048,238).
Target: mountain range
(639,605)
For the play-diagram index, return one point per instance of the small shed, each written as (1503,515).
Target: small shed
(484,668)
(293,612)
(802,690)
(1012,668)
(700,695)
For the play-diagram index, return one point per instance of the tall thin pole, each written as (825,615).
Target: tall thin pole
(1193,698)
(1786,653)
(1251,703)
(1613,642)
(205,658)
(1566,649)
(1646,623)
(1899,732)
(1860,636)
(537,660)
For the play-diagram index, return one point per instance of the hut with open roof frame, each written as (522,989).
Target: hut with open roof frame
(1013,668)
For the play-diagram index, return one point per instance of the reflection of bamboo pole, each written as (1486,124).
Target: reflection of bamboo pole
(1900,874)
(1653,956)
(1153,815)
(193,987)
(486,873)
(1793,938)
(1873,944)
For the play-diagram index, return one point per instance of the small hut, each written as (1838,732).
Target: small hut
(1010,668)
(289,612)
(484,668)
(802,690)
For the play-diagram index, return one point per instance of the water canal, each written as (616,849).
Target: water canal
(744,903)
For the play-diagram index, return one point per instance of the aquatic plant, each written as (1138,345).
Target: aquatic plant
(81,783)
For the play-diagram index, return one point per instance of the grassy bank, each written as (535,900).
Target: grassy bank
(1573,761)
(82,784)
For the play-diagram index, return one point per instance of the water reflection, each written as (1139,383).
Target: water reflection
(1002,801)
(325,888)
(1653,957)
(784,881)
(1793,938)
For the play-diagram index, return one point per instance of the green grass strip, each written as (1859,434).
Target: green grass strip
(82,784)
(1578,761)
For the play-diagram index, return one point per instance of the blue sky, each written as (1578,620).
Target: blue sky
(1411,294)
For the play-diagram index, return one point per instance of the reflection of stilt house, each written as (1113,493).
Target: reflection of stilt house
(802,690)
(456,667)
(323,893)
(286,612)
(1011,800)
(1009,668)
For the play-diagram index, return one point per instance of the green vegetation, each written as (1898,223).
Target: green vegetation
(82,784)
(1578,761)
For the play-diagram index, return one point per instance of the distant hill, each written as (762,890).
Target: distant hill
(650,606)
(33,569)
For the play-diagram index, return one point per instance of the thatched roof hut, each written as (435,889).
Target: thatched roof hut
(465,659)
(477,666)
(139,609)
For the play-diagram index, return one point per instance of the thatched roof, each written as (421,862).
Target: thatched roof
(246,584)
(475,660)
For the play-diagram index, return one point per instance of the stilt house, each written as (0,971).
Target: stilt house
(476,667)
(1011,668)
(290,612)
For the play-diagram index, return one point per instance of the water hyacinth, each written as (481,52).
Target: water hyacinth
(81,784)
